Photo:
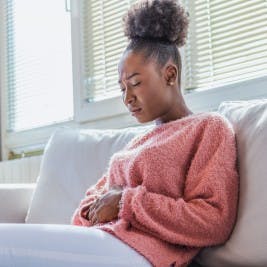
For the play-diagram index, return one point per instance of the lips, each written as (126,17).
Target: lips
(135,111)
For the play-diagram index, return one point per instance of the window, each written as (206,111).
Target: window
(103,43)
(39,69)
(44,50)
(98,42)
(227,45)
(227,42)
(38,64)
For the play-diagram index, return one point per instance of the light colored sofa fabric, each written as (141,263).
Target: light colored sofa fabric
(247,246)
(75,159)
(15,200)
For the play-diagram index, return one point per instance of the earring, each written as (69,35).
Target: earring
(170,83)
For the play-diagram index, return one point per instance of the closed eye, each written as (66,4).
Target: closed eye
(136,84)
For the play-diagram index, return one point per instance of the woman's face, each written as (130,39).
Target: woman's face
(144,88)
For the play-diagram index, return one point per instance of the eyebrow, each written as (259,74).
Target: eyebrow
(129,77)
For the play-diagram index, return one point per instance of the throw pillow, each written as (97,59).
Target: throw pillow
(73,160)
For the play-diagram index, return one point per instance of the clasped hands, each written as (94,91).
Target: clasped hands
(106,207)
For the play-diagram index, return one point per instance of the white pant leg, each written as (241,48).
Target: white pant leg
(48,245)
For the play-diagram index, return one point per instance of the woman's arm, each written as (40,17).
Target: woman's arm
(206,213)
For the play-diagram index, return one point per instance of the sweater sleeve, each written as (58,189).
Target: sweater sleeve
(79,216)
(206,213)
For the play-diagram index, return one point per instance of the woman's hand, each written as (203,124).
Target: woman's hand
(106,207)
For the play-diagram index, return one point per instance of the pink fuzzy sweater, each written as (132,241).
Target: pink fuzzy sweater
(180,189)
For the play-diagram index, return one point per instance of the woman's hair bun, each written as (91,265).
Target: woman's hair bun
(162,20)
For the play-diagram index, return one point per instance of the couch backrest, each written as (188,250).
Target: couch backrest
(75,159)
(247,246)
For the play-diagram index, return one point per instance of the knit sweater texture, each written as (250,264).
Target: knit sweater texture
(180,189)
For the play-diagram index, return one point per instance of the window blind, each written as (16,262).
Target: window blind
(227,42)
(103,43)
(38,69)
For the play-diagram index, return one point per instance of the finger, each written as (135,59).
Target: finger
(94,219)
(100,214)
(98,203)
(90,214)
(105,214)
(92,206)
(91,211)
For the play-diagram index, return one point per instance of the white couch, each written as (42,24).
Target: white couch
(74,159)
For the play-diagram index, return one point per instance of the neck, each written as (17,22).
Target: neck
(178,111)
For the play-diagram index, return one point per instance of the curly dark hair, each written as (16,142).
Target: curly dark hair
(157,28)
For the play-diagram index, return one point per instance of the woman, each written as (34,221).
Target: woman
(173,190)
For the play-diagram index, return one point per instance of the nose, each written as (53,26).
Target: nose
(128,96)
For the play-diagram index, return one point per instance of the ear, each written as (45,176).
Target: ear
(170,74)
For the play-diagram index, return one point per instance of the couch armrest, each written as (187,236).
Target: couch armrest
(14,202)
